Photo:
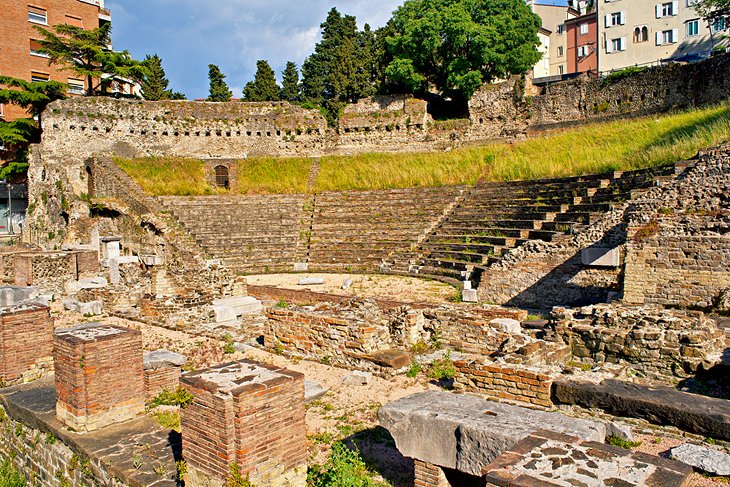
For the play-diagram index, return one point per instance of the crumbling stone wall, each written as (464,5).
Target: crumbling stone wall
(656,341)
(501,382)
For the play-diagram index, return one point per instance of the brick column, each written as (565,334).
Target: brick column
(250,414)
(26,342)
(428,475)
(99,374)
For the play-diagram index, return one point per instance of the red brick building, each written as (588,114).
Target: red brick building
(582,43)
(19,57)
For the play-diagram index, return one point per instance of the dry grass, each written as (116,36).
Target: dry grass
(594,148)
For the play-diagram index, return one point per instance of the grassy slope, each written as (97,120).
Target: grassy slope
(594,148)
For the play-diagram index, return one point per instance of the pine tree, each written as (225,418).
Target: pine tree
(219,90)
(154,86)
(263,87)
(290,83)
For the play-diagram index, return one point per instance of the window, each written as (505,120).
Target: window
(667,9)
(583,28)
(583,51)
(75,21)
(561,28)
(691,3)
(35,49)
(76,86)
(37,15)
(37,77)
(615,18)
(561,51)
(561,70)
(666,37)
(641,34)
(693,28)
(719,24)
(615,45)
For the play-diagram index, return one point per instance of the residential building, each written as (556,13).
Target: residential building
(19,41)
(582,43)
(645,32)
(553,39)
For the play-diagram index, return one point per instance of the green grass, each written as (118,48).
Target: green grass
(592,148)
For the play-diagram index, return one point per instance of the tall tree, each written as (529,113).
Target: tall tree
(290,83)
(338,71)
(457,45)
(713,11)
(263,87)
(155,84)
(87,53)
(218,88)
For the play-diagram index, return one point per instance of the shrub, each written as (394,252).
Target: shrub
(168,419)
(442,368)
(414,370)
(343,468)
(179,397)
(647,231)
(9,476)
(229,347)
(621,443)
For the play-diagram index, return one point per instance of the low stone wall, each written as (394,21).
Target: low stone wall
(656,341)
(507,383)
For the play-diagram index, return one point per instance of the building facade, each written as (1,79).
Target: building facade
(19,41)
(553,38)
(644,33)
(582,47)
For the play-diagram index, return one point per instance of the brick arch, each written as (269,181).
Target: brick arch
(222,176)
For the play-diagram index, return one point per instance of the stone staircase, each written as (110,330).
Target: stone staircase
(494,218)
(248,233)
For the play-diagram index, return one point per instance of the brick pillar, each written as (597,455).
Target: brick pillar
(250,414)
(99,374)
(428,475)
(26,342)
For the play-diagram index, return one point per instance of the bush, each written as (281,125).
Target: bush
(442,368)
(179,397)
(9,476)
(343,468)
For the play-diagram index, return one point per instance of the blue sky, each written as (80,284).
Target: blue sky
(234,34)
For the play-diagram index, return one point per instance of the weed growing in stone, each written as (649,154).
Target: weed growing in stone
(179,397)
(413,370)
(51,439)
(235,477)
(442,368)
(9,476)
(343,467)
(168,419)
(621,443)
(182,469)
(229,347)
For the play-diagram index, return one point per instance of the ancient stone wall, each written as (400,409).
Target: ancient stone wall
(26,343)
(656,341)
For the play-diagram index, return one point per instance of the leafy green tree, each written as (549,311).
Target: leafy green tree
(18,134)
(263,87)
(155,84)
(340,69)
(290,83)
(457,45)
(713,11)
(218,88)
(87,53)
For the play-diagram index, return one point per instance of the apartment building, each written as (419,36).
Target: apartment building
(553,39)
(646,32)
(19,41)
(581,43)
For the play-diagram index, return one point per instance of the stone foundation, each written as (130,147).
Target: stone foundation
(500,382)
(99,375)
(26,343)
(428,475)
(248,414)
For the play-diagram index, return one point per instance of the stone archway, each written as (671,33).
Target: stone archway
(222,177)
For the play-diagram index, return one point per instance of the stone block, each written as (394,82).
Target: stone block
(347,284)
(507,325)
(301,266)
(110,247)
(163,358)
(241,305)
(128,259)
(619,429)
(98,374)
(250,414)
(600,257)
(357,378)
(72,287)
(152,260)
(310,281)
(224,314)
(706,459)
(313,390)
(12,295)
(467,285)
(467,433)
(395,359)
(469,296)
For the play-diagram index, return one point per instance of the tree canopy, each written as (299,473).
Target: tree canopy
(218,90)
(713,9)
(340,69)
(263,87)
(87,53)
(457,45)
(155,84)
(290,83)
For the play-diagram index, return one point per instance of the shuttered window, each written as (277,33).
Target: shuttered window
(35,49)
(75,21)
(37,15)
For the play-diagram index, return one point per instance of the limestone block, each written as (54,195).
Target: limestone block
(357,378)
(466,433)
(705,459)
(114,276)
(110,247)
(10,295)
(152,260)
(163,358)
(92,308)
(301,266)
(600,257)
(620,430)
(128,259)
(467,285)
(313,390)
(347,284)
(72,287)
(469,296)
(44,299)
(224,314)
(241,305)
(507,325)
(309,281)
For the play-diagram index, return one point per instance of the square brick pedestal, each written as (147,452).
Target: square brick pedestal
(26,342)
(245,413)
(99,375)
